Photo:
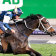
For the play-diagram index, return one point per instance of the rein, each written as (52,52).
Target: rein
(20,31)
(27,26)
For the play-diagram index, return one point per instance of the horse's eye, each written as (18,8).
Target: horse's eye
(47,21)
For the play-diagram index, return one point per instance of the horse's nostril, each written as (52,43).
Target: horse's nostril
(55,32)
(52,33)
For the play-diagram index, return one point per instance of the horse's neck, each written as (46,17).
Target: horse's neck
(24,30)
(28,32)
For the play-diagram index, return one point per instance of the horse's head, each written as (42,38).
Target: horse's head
(45,26)
(38,21)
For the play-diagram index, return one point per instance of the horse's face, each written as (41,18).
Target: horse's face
(45,26)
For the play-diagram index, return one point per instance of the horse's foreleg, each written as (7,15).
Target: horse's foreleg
(36,53)
(32,52)
(1,49)
(4,44)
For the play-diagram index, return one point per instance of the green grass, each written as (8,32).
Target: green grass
(44,49)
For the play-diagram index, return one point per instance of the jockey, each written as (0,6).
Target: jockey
(6,16)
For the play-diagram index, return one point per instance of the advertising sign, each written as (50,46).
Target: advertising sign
(10,4)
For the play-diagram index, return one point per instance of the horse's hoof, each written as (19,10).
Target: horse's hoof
(32,54)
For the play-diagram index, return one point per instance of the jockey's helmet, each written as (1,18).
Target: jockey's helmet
(17,11)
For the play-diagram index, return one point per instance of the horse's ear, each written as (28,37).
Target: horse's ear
(39,16)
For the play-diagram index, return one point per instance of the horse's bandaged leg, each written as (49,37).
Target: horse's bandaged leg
(4,44)
(29,44)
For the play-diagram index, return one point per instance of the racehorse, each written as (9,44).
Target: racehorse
(18,43)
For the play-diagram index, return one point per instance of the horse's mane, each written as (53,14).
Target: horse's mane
(39,15)
(33,16)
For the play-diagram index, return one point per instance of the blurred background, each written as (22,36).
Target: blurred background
(47,8)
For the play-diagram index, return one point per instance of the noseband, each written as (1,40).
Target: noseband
(40,23)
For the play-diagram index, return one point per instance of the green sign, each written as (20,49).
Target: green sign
(47,8)
(10,4)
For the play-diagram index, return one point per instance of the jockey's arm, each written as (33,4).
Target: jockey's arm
(7,18)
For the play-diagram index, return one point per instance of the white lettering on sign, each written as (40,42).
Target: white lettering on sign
(10,4)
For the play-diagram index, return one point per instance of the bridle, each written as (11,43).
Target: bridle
(40,23)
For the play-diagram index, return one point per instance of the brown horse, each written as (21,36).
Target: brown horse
(18,43)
